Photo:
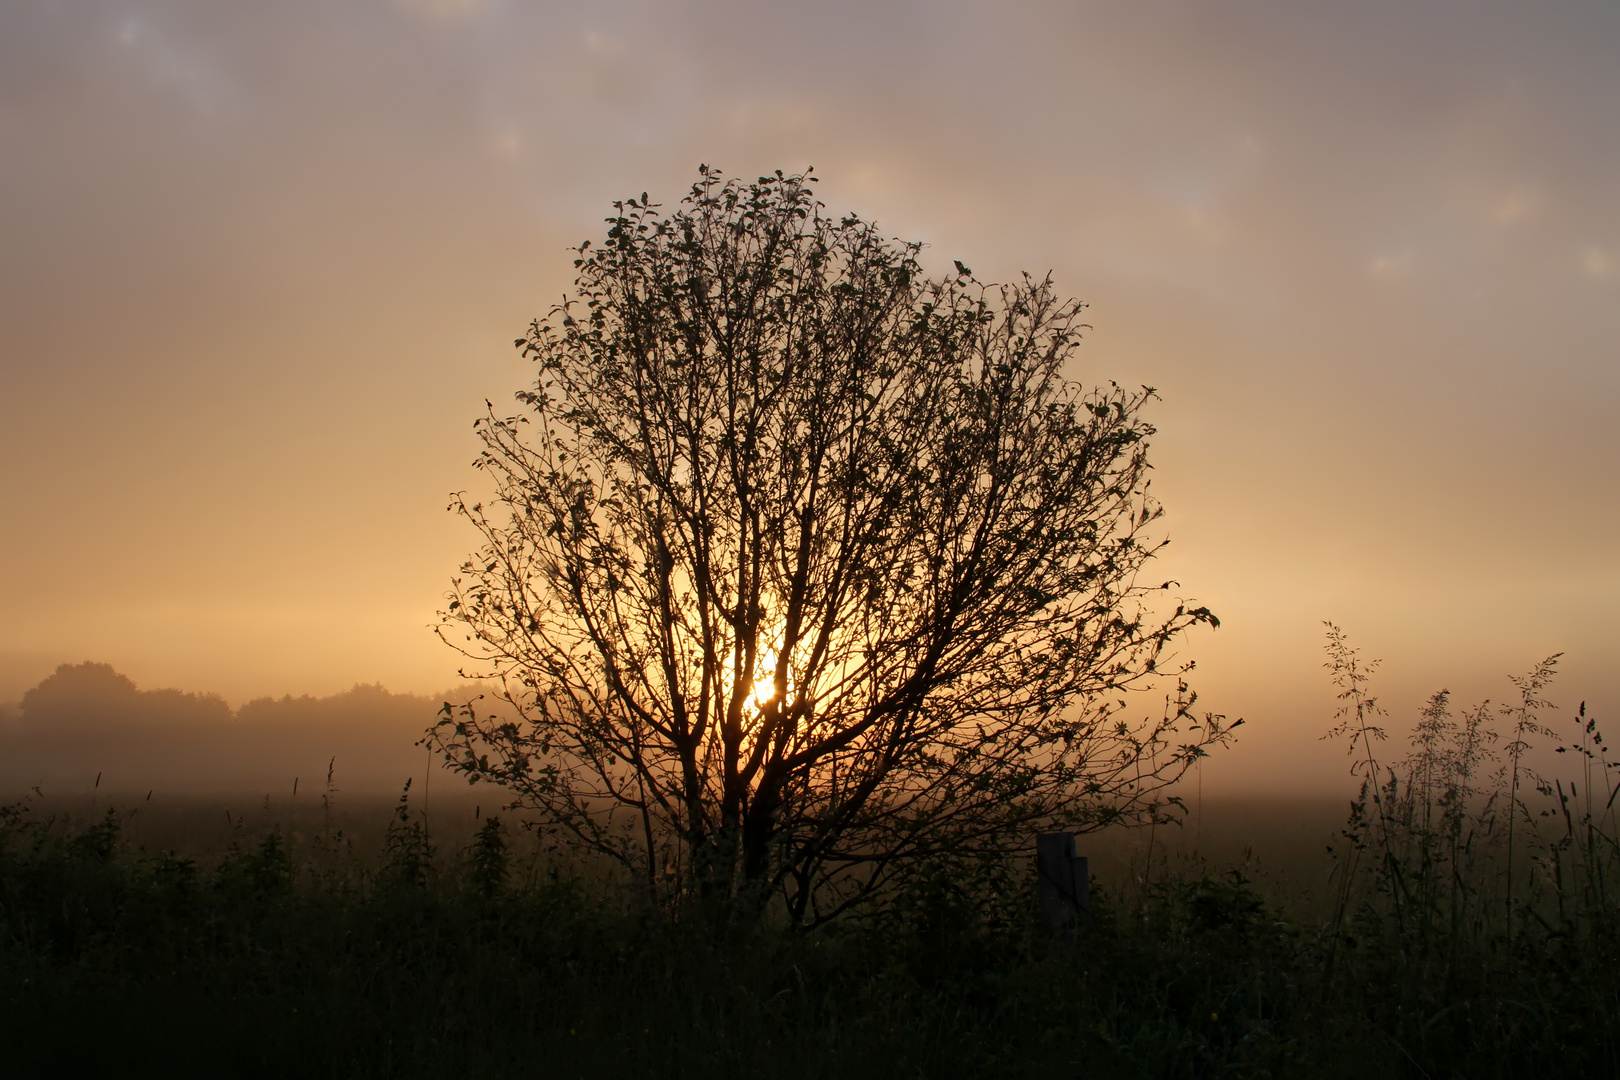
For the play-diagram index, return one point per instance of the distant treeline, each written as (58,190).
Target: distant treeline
(88,720)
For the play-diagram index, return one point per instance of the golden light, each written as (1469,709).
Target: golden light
(764,687)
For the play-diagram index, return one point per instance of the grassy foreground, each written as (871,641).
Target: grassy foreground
(306,959)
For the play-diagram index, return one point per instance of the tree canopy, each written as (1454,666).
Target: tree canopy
(802,564)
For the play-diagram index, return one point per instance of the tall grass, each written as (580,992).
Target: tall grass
(1481,886)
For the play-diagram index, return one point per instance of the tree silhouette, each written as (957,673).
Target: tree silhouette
(802,565)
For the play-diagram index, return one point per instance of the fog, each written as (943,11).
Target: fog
(87,728)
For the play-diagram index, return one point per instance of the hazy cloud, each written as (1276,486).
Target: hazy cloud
(262,263)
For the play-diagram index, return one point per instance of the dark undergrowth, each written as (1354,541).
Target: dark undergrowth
(1471,929)
(271,962)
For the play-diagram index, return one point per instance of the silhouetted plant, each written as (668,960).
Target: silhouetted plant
(98,840)
(265,868)
(407,852)
(802,565)
(1354,722)
(1469,878)
(1524,717)
(487,862)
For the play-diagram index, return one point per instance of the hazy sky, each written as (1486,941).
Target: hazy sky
(260,265)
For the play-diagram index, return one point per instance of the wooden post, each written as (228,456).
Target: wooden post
(1065,884)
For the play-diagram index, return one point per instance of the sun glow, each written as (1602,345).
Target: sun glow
(764,688)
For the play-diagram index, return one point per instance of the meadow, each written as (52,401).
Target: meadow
(1456,918)
(363,940)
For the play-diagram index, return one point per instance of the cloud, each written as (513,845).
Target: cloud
(448,10)
(1393,266)
(177,66)
(1516,206)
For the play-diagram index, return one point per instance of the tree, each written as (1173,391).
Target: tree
(802,565)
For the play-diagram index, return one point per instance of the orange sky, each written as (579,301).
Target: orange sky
(262,264)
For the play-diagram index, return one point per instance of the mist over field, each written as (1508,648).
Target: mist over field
(87,721)
(168,761)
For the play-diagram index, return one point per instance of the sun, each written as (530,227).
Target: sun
(764,687)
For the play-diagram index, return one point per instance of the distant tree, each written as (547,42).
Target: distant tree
(802,565)
(81,691)
(93,694)
(87,719)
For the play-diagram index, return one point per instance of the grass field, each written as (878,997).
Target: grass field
(355,942)
(1281,837)
(1460,917)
